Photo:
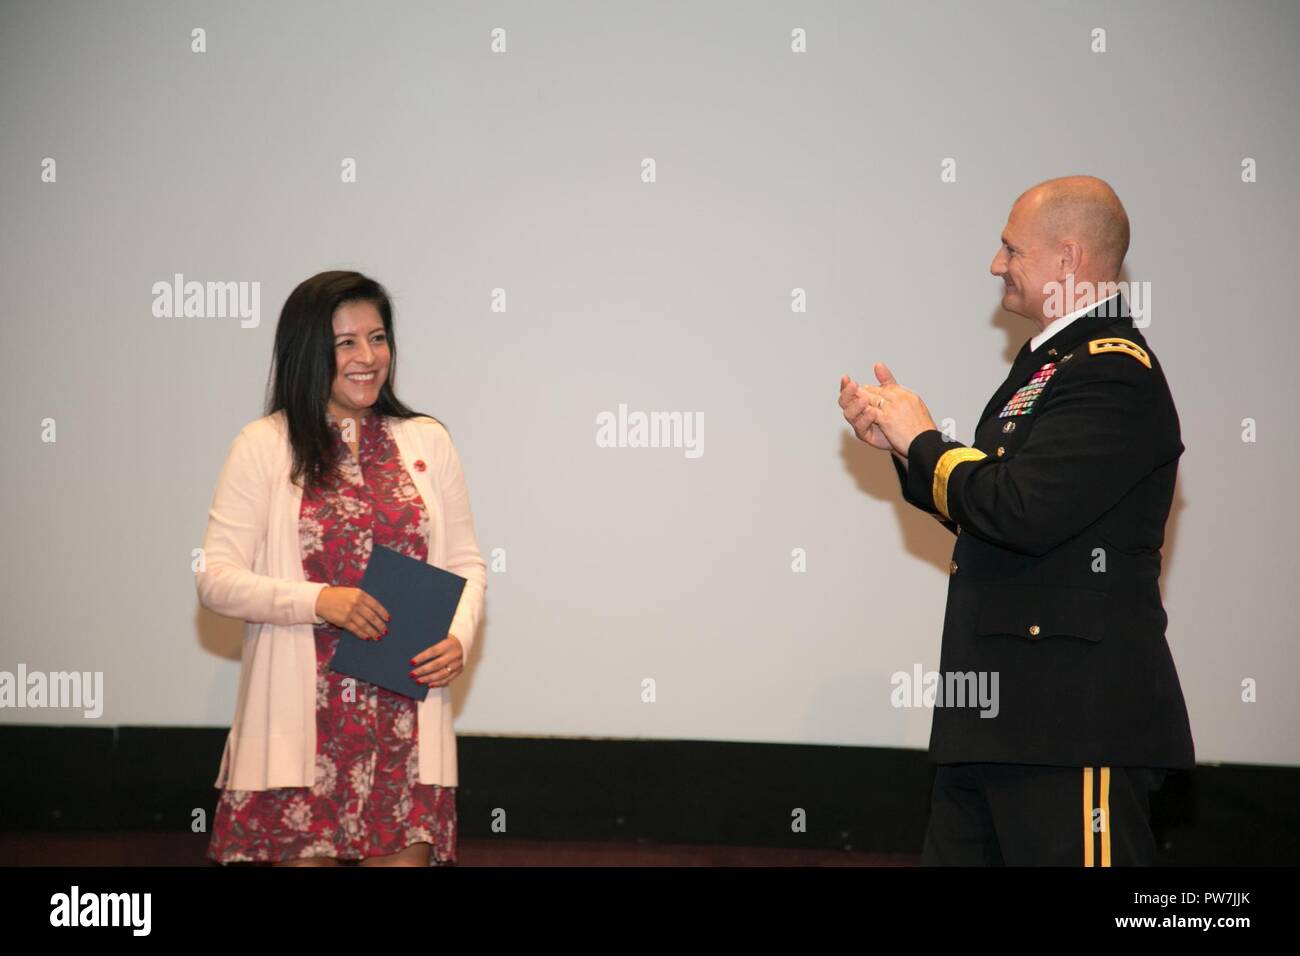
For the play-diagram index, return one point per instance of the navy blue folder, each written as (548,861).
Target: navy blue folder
(420,600)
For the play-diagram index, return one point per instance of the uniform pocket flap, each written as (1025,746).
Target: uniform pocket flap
(1035,613)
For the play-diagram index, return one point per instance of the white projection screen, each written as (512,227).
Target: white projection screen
(829,185)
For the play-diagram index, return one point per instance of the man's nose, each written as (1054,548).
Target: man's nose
(998,266)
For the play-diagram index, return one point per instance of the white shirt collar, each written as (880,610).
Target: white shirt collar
(1057,324)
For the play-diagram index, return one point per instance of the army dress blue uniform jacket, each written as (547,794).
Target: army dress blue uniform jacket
(1059,508)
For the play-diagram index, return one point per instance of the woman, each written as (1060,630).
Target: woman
(317,770)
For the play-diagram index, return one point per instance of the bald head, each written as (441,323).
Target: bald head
(1074,226)
(1086,210)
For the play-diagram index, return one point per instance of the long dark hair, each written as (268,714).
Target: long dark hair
(303,371)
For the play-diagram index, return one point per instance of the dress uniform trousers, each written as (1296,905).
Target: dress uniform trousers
(987,814)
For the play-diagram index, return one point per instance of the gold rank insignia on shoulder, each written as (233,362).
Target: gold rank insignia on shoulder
(1123,346)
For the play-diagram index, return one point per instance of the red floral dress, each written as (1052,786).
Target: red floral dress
(367,799)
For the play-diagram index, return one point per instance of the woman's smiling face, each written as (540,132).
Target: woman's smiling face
(361,359)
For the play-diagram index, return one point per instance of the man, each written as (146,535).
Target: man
(1059,509)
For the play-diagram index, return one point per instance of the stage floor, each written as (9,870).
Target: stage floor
(168,849)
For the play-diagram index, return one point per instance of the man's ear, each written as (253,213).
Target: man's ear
(1071,258)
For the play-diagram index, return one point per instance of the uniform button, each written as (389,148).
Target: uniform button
(952,567)
(1001,451)
(1033,630)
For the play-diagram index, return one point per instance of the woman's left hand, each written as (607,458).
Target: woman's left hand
(440,664)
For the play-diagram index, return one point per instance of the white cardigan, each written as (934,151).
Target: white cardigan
(254,572)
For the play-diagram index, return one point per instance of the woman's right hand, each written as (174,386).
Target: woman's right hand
(354,610)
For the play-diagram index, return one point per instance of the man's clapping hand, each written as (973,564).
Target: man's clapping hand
(885,416)
(860,413)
